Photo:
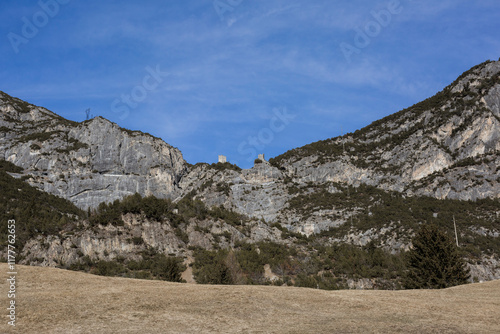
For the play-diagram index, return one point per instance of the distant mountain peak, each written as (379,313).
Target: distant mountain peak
(445,146)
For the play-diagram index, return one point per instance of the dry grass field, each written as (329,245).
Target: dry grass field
(58,301)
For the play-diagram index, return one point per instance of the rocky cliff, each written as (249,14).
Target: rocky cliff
(445,147)
(434,162)
(89,162)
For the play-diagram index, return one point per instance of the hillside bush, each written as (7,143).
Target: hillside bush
(434,262)
(210,267)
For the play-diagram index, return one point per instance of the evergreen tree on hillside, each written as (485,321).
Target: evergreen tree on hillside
(210,267)
(434,262)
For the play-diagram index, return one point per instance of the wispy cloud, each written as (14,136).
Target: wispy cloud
(224,78)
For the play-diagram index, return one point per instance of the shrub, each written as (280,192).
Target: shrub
(222,166)
(109,268)
(251,262)
(210,267)
(434,262)
(167,268)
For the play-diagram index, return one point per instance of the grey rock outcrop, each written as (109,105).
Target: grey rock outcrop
(446,147)
(87,163)
(136,236)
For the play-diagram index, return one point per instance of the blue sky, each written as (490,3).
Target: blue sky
(240,77)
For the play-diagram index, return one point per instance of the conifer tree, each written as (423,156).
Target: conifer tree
(434,262)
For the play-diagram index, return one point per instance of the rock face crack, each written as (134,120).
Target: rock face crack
(89,190)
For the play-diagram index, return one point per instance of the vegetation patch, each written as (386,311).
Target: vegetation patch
(153,266)
(222,166)
(35,212)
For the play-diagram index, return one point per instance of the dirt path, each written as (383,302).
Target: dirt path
(187,275)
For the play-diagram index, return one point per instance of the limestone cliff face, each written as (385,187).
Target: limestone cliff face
(137,235)
(257,192)
(445,147)
(87,163)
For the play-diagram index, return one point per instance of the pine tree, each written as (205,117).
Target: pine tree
(434,262)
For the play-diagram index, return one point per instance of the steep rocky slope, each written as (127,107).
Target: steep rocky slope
(435,162)
(125,237)
(444,147)
(88,162)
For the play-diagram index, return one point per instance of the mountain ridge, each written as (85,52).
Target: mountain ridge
(445,147)
(342,197)
(54,150)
